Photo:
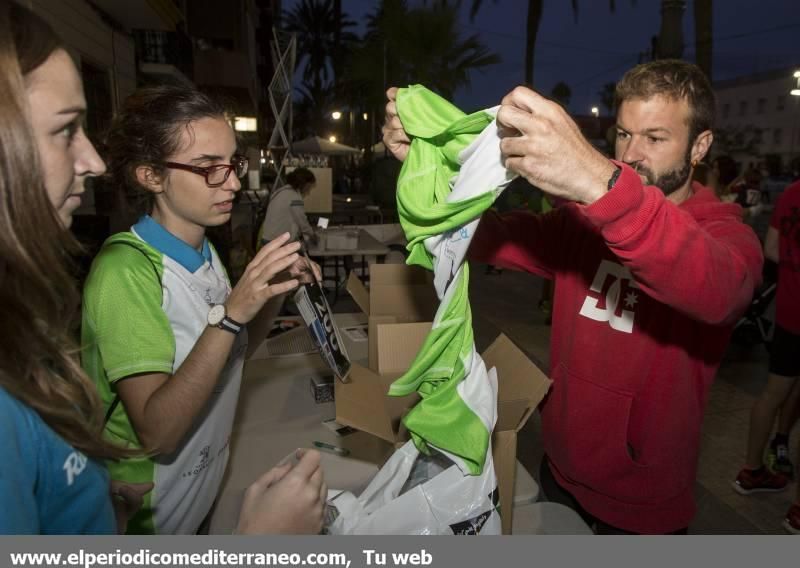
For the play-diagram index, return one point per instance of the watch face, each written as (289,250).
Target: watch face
(215,314)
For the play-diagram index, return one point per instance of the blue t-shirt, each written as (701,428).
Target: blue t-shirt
(46,485)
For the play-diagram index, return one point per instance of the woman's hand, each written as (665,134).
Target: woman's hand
(288,499)
(127,499)
(305,270)
(259,283)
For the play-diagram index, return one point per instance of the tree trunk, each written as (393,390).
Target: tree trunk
(703,17)
(534,18)
(670,40)
(337,42)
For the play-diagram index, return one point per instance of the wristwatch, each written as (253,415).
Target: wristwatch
(217,317)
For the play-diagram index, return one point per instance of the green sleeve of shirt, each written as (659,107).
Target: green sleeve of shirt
(126,331)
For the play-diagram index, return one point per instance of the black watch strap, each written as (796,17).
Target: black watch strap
(230,325)
(614,177)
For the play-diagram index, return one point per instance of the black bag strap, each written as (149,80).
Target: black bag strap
(111,409)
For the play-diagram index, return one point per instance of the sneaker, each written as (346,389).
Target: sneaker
(778,460)
(792,521)
(747,483)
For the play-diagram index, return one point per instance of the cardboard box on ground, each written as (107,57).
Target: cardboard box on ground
(400,305)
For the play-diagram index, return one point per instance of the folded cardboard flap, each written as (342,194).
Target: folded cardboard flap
(398,345)
(358,292)
(372,337)
(399,274)
(521,384)
(405,292)
(504,455)
(363,404)
(406,302)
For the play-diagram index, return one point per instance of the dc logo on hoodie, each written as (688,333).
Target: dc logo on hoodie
(619,300)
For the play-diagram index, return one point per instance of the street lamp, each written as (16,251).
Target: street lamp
(796,90)
(595,111)
(350,115)
(332,139)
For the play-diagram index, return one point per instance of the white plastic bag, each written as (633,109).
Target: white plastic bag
(435,507)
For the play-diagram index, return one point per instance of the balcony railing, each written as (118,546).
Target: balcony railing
(165,48)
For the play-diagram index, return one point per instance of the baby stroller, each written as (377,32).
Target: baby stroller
(754,327)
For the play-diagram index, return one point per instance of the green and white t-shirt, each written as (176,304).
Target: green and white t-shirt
(145,305)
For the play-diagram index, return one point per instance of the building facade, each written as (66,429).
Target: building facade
(757,116)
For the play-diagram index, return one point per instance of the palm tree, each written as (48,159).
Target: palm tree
(337,38)
(703,11)
(312,110)
(607,96)
(420,45)
(532,28)
(561,93)
(322,38)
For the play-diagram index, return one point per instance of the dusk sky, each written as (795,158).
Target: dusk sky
(749,36)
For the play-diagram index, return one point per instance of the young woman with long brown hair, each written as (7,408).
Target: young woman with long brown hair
(52,479)
(50,415)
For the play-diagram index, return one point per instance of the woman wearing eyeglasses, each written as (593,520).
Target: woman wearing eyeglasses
(163,331)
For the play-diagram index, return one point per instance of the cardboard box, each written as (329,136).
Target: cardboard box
(400,305)
(398,294)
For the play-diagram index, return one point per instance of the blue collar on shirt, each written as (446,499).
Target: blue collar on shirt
(165,242)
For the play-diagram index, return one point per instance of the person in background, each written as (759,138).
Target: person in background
(286,212)
(651,272)
(164,331)
(782,245)
(747,189)
(724,172)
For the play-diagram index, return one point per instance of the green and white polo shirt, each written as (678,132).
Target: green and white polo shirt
(145,305)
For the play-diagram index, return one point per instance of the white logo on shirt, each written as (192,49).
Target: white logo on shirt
(75,464)
(622,280)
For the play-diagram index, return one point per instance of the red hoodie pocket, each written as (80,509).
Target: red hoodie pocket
(585,427)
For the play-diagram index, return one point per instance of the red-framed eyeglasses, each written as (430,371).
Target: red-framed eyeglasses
(215,175)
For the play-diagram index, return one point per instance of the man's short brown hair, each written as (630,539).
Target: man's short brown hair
(674,79)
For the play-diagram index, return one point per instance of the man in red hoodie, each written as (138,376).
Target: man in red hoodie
(650,270)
